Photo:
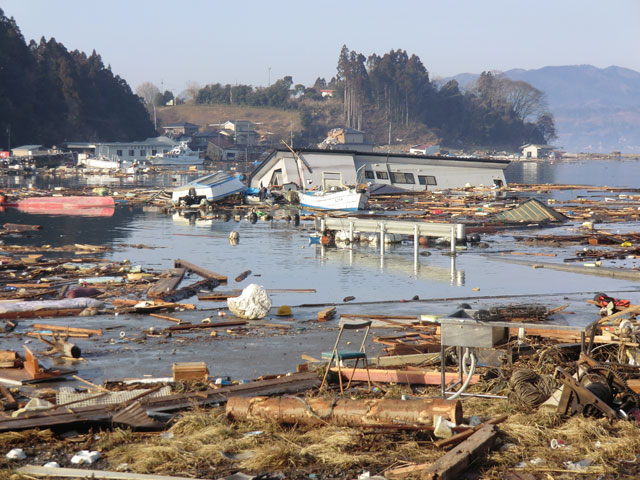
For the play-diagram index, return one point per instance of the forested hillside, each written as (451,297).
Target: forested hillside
(595,109)
(49,95)
(394,90)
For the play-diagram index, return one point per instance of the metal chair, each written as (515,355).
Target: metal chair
(340,355)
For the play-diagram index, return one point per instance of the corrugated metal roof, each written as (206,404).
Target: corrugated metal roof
(531,211)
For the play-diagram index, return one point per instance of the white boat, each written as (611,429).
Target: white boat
(180,155)
(347,199)
(99,163)
(211,188)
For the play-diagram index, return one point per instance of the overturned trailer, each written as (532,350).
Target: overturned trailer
(307,169)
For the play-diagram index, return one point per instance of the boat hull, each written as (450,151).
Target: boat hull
(211,188)
(93,206)
(347,200)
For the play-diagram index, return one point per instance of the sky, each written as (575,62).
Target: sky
(177,44)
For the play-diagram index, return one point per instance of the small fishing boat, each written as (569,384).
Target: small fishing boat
(180,155)
(209,188)
(348,199)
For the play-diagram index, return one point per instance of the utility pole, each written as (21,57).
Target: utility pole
(9,138)
(389,144)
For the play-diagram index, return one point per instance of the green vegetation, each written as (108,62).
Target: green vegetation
(49,95)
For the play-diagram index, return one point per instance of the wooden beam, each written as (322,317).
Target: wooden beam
(203,272)
(454,462)
(419,377)
(167,285)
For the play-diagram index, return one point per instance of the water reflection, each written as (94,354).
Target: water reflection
(397,259)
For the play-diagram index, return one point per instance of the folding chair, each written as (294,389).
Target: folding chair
(340,355)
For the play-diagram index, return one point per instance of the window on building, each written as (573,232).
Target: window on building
(132,153)
(164,150)
(427,180)
(368,174)
(401,177)
(231,155)
(119,153)
(382,175)
(143,153)
(154,152)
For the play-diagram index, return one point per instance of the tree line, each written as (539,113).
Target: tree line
(49,95)
(395,89)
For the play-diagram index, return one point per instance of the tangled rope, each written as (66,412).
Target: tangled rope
(527,389)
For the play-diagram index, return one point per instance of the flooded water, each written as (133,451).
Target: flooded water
(280,256)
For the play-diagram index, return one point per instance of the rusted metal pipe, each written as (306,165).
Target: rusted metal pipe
(317,411)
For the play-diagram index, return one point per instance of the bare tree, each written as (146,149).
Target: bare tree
(147,91)
(192,90)
(524,99)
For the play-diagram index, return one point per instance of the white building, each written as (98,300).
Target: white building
(311,168)
(130,151)
(531,150)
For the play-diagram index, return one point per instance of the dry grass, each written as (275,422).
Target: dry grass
(278,122)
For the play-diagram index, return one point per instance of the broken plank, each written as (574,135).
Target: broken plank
(326,314)
(38,471)
(451,464)
(203,272)
(165,317)
(232,323)
(167,285)
(63,328)
(190,290)
(459,437)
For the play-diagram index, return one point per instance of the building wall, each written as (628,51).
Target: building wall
(133,150)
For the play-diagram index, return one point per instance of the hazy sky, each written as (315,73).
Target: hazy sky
(176,42)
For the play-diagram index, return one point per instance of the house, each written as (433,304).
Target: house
(312,168)
(28,151)
(346,139)
(130,151)
(425,149)
(242,132)
(181,129)
(327,93)
(531,150)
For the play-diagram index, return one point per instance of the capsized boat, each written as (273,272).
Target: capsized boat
(210,188)
(348,199)
(100,206)
(180,155)
(99,163)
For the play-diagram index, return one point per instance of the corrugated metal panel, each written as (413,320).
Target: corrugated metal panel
(531,211)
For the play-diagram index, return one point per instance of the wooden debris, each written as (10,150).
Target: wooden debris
(459,437)
(165,317)
(166,286)
(190,371)
(243,275)
(417,376)
(326,314)
(63,328)
(451,464)
(203,272)
(232,323)
(61,472)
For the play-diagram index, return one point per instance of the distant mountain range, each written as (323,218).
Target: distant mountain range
(595,109)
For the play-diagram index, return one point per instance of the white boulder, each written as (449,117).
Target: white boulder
(253,304)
